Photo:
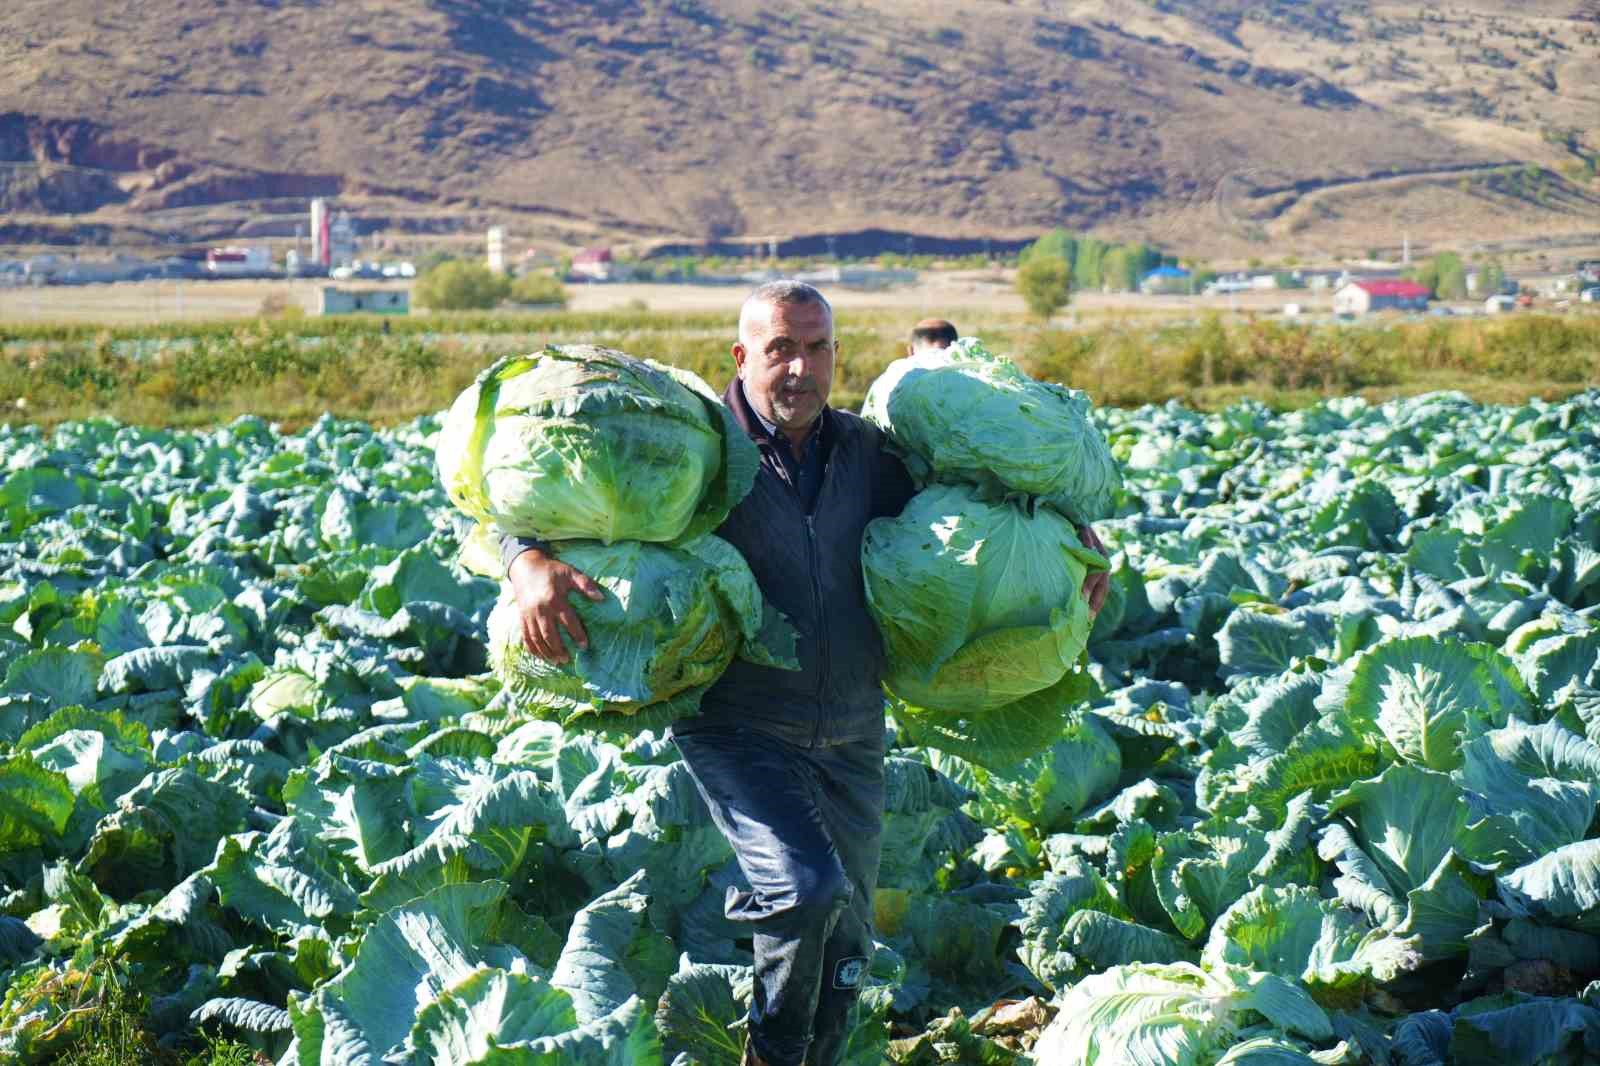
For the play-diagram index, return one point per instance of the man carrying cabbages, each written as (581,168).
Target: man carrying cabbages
(790,763)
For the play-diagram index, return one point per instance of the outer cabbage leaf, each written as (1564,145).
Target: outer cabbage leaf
(484,1018)
(1001,738)
(1540,786)
(1511,1029)
(1397,860)
(1293,932)
(407,959)
(1046,791)
(1563,886)
(1429,696)
(1170,1015)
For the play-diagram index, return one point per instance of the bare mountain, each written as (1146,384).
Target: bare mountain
(1204,123)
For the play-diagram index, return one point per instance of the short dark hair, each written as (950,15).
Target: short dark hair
(935,331)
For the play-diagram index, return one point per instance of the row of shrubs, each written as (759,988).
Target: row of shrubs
(292,371)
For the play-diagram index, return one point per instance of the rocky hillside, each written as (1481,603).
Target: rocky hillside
(696,119)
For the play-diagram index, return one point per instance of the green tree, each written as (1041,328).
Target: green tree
(1120,269)
(1057,244)
(539,289)
(459,286)
(432,260)
(1045,283)
(1086,268)
(1149,258)
(1450,282)
(1491,276)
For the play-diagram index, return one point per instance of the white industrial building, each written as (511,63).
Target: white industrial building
(333,300)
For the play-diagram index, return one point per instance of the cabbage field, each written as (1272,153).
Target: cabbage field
(1330,798)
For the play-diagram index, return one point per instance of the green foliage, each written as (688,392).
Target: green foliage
(1450,279)
(541,289)
(460,286)
(291,372)
(1337,737)
(1087,270)
(1045,283)
(1057,244)
(1491,278)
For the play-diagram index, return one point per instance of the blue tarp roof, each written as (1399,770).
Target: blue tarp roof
(1167,272)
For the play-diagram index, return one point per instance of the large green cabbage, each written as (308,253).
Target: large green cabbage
(978,600)
(963,414)
(580,442)
(671,622)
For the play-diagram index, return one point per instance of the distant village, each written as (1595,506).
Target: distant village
(327,247)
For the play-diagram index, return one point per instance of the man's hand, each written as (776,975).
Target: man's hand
(541,586)
(1097,584)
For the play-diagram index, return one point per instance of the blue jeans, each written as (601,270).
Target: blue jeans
(805,825)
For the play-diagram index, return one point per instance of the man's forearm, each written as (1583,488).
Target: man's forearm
(511,547)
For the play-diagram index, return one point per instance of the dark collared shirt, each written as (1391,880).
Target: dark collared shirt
(803,471)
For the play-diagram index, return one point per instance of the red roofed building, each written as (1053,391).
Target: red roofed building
(1381,294)
(598,264)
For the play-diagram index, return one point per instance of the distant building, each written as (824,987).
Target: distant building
(1387,294)
(497,249)
(1167,279)
(342,240)
(319,233)
(336,301)
(238,262)
(597,264)
(851,277)
(1228,283)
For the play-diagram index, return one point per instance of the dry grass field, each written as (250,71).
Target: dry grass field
(954,294)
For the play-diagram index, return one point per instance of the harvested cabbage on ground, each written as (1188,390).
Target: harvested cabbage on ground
(966,415)
(581,442)
(672,620)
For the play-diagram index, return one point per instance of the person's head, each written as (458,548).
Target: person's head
(785,353)
(931,334)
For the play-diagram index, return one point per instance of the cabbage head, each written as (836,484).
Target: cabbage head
(580,442)
(978,600)
(963,414)
(672,620)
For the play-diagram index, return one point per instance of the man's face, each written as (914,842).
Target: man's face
(785,356)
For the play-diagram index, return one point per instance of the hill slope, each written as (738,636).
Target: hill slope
(694,119)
